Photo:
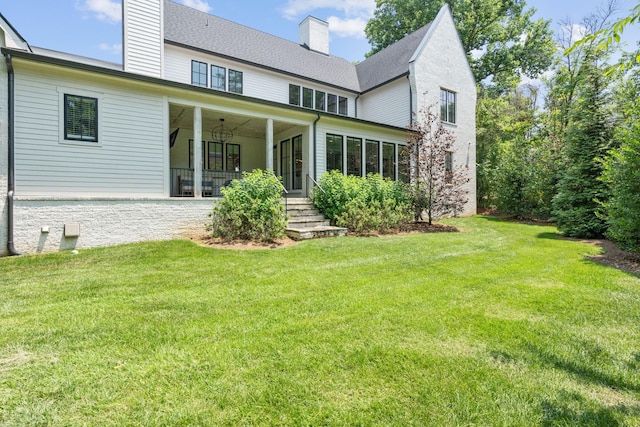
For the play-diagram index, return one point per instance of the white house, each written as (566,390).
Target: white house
(95,153)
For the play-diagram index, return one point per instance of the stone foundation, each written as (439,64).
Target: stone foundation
(40,224)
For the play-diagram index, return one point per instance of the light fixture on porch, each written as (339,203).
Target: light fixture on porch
(220,134)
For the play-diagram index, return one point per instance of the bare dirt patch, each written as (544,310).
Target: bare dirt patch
(615,257)
(285,242)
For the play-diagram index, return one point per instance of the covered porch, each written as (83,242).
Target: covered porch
(209,147)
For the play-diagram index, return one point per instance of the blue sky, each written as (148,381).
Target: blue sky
(93,28)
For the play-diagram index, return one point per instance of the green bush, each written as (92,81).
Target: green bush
(250,209)
(362,204)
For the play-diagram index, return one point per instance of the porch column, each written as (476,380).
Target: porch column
(269,142)
(197,152)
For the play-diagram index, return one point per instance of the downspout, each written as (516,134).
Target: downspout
(11,172)
(315,148)
(410,101)
(356,112)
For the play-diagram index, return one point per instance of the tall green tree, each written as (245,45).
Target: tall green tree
(586,140)
(501,38)
(622,168)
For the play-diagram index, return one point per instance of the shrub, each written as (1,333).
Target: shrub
(250,209)
(362,204)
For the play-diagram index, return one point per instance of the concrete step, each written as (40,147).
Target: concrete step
(302,212)
(315,232)
(308,221)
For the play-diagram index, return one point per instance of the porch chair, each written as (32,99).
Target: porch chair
(207,188)
(185,186)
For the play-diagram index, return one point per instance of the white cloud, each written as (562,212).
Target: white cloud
(104,10)
(347,27)
(350,20)
(200,5)
(296,8)
(114,49)
(572,33)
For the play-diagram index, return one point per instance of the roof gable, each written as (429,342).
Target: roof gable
(15,40)
(391,62)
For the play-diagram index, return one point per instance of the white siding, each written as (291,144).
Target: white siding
(4,161)
(389,104)
(450,72)
(143,36)
(257,82)
(127,160)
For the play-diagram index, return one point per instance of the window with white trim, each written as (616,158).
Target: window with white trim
(199,72)
(80,118)
(447,106)
(235,81)
(218,77)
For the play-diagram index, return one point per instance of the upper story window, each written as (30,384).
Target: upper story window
(320,100)
(447,106)
(235,81)
(199,71)
(218,77)
(80,118)
(307,97)
(343,106)
(294,95)
(332,103)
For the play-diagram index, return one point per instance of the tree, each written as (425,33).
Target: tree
(606,37)
(437,184)
(586,140)
(622,170)
(500,37)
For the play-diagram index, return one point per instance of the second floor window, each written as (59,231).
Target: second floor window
(447,106)
(294,95)
(343,106)
(235,81)
(199,73)
(218,77)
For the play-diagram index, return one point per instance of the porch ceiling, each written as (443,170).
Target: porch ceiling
(242,126)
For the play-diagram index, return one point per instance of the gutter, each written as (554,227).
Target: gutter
(315,147)
(11,167)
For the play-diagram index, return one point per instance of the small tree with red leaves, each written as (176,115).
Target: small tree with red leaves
(437,185)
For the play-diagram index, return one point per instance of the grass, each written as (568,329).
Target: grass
(503,324)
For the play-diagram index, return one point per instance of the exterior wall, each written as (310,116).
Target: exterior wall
(449,72)
(257,83)
(389,104)
(105,222)
(143,36)
(133,137)
(4,146)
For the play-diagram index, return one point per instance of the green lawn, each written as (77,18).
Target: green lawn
(503,324)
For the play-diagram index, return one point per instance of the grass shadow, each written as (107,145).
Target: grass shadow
(582,370)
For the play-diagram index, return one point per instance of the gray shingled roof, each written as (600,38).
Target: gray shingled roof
(391,62)
(190,27)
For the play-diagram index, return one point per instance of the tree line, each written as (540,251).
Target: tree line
(565,148)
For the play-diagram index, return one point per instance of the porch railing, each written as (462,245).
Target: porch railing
(182,184)
(312,183)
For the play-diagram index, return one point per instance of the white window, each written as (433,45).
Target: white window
(447,106)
